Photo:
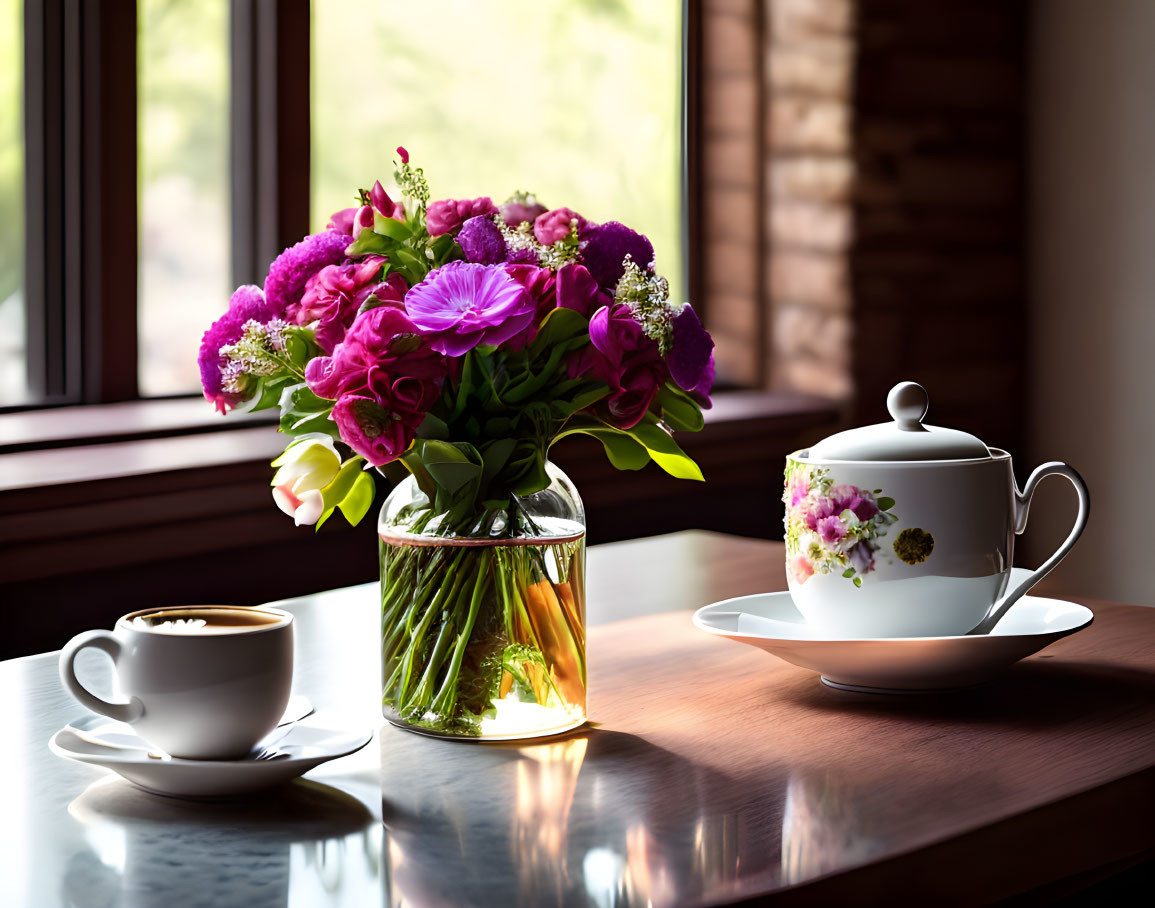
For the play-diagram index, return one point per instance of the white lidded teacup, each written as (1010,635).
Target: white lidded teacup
(906,530)
(199,682)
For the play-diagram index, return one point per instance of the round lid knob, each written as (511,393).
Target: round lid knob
(905,439)
(908,403)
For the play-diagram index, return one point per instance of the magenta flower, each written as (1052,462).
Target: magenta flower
(831,530)
(516,212)
(798,487)
(852,498)
(691,358)
(605,248)
(555,225)
(292,269)
(335,294)
(448,215)
(482,242)
(385,377)
(342,221)
(622,356)
(403,154)
(248,302)
(463,304)
(381,201)
(373,431)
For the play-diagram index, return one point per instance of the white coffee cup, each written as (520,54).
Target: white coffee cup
(200,682)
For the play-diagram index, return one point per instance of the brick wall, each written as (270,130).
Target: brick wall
(937,267)
(890,139)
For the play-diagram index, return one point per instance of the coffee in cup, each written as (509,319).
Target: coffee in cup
(202,682)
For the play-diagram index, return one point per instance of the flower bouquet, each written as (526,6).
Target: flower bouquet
(450,344)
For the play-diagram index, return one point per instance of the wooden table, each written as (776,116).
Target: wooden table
(714,773)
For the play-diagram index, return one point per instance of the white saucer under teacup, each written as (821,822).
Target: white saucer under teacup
(772,622)
(115,746)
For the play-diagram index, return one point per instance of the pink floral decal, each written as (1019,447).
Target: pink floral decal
(831,527)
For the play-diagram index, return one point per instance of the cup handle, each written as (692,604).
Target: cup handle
(1022,506)
(107,642)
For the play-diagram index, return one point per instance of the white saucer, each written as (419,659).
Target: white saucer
(115,746)
(770,621)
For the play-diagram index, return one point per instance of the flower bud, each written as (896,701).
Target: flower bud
(304,469)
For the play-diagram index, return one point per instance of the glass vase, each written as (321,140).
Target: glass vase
(483,631)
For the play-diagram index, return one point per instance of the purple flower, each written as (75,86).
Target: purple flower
(861,557)
(852,498)
(463,304)
(448,215)
(248,302)
(691,358)
(577,290)
(523,256)
(516,212)
(292,269)
(482,242)
(605,248)
(336,293)
(623,357)
(555,225)
(831,530)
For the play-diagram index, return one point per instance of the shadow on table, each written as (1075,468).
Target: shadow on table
(596,818)
(1038,693)
(143,849)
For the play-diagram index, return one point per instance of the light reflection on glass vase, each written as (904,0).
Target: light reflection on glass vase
(483,632)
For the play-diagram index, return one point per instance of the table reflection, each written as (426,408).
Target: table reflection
(302,844)
(599,818)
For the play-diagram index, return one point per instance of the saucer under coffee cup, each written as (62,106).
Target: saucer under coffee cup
(199,682)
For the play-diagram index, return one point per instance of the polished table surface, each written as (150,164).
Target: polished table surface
(711,773)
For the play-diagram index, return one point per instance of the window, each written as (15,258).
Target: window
(528,95)
(183,122)
(13,380)
(165,160)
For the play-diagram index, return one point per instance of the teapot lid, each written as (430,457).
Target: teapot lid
(904,439)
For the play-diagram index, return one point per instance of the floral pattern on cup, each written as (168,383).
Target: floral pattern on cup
(831,526)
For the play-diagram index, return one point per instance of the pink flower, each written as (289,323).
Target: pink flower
(623,357)
(403,154)
(383,355)
(799,568)
(448,215)
(797,488)
(831,530)
(385,361)
(342,221)
(555,225)
(461,305)
(335,294)
(518,211)
(852,498)
(292,269)
(373,431)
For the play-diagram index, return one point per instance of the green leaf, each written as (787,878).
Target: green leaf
(356,504)
(370,243)
(390,227)
(885,504)
(451,465)
(849,572)
(623,452)
(858,581)
(679,411)
(433,427)
(664,450)
(337,490)
(496,455)
(559,326)
(303,411)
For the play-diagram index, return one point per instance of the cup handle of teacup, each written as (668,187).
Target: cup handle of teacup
(107,642)
(1022,506)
